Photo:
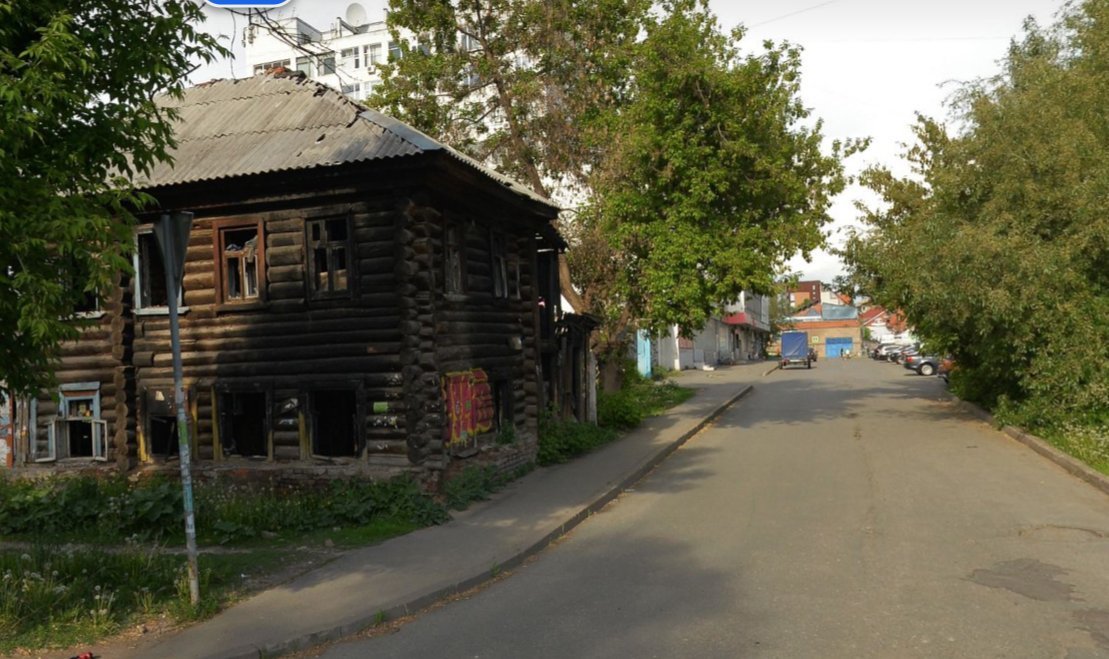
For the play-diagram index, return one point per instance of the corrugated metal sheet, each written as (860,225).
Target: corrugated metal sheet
(265,124)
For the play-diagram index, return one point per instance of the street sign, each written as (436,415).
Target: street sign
(172,233)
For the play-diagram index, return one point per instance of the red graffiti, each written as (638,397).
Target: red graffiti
(469,405)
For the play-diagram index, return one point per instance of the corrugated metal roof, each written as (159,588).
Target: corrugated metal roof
(266,124)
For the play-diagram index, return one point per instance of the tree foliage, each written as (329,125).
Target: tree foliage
(76,86)
(997,246)
(521,84)
(695,169)
(716,176)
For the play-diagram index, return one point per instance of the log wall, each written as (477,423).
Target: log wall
(391,342)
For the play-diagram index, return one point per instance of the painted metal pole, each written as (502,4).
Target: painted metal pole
(172,232)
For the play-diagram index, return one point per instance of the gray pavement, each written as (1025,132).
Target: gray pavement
(852,510)
(407,573)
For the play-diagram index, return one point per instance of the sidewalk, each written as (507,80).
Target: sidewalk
(407,573)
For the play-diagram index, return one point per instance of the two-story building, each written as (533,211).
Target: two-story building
(356,296)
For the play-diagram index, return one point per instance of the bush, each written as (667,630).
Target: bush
(560,441)
(621,410)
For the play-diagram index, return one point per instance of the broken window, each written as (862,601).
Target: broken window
(500,266)
(77,430)
(506,405)
(161,423)
(329,256)
(244,423)
(514,275)
(240,263)
(150,274)
(454,248)
(334,423)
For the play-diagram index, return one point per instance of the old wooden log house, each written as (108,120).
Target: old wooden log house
(357,297)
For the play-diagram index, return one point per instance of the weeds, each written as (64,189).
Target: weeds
(53,596)
(113,510)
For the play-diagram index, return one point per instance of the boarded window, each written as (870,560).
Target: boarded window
(329,256)
(334,423)
(244,423)
(240,263)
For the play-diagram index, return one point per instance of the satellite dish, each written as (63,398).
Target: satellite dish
(356,15)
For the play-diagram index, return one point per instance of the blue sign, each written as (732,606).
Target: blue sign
(244,4)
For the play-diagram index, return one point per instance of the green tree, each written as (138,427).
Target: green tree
(997,246)
(696,168)
(77,119)
(523,85)
(716,176)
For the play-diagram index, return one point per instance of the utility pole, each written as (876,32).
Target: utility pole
(172,233)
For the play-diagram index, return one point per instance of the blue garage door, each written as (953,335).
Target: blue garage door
(836,347)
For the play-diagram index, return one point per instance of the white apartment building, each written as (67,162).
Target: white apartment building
(344,57)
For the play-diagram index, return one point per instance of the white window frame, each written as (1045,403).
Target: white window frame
(58,429)
(372,55)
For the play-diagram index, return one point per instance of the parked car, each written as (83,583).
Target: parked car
(922,364)
(898,356)
(882,350)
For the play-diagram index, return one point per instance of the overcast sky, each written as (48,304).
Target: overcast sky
(868,65)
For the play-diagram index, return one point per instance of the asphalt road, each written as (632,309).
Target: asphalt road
(845,511)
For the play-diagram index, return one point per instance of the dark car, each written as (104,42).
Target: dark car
(922,364)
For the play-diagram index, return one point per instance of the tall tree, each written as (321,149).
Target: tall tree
(524,85)
(997,246)
(696,168)
(716,176)
(77,79)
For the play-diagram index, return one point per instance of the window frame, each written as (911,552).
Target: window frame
(454,258)
(138,306)
(372,54)
(58,428)
(498,258)
(223,419)
(219,264)
(310,246)
(268,67)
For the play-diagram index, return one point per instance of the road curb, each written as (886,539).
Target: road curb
(1070,464)
(420,602)
(772,369)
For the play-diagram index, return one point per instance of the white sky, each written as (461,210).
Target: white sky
(868,65)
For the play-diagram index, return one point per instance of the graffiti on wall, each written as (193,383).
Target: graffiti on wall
(470,409)
(7,434)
